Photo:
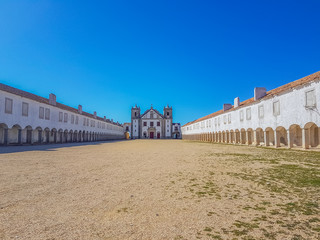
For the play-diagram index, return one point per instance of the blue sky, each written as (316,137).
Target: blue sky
(193,55)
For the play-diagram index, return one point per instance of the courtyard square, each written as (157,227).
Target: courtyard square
(158,189)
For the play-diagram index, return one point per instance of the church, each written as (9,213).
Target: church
(153,125)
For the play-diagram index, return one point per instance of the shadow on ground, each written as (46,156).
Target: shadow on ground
(48,147)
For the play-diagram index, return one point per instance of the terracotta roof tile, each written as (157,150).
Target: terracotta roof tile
(273,92)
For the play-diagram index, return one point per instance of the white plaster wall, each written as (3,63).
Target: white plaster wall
(135,128)
(168,128)
(292,111)
(34,121)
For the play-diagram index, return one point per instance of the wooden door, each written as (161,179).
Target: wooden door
(151,135)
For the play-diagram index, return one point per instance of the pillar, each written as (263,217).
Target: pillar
(19,136)
(276,139)
(266,138)
(305,138)
(290,142)
(255,138)
(247,138)
(5,142)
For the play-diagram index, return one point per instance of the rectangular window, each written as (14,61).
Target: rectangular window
(158,124)
(261,111)
(144,124)
(41,112)
(77,120)
(88,122)
(25,109)
(8,105)
(248,113)
(72,119)
(84,122)
(60,116)
(225,119)
(47,114)
(66,117)
(276,108)
(229,118)
(241,115)
(311,99)
(151,124)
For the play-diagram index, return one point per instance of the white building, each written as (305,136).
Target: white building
(152,124)
(26,118)
(287,116)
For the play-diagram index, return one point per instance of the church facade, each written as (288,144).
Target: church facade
(153,125)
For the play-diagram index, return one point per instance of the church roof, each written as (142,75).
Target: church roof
(153,110)
(271,93)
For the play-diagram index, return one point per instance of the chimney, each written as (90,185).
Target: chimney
(52,99)
(80,109)
(95,114)
(259,92)
(104,118)
(111,120)
(236,102)
(226,106)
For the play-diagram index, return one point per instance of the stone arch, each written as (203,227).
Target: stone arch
(80,136)
(259,136)
(60,136)
(237,136)
(70,136)
(269,137)
(295,136)
(75,136)
(27,135)
(53,136)
(310,135)
(281,137)
(249,136)
(227,136)
(3,134)
(243,137)
(46,135)
(37,135)
(223,136)
(14,134)
(218,137)
(232,137)
(65,136)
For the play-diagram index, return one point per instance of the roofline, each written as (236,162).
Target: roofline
(274,92)
(37,98)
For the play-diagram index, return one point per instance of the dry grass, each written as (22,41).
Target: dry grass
(160,189)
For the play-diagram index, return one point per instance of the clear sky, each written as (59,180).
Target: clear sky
(193,55)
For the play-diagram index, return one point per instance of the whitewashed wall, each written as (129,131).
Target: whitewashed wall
(293,110)
(34,121)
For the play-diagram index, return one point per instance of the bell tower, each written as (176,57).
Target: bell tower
(167,113)
(135,122)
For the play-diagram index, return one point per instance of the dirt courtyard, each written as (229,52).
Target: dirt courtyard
(158,189)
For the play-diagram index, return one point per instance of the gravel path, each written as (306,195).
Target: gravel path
(145,189)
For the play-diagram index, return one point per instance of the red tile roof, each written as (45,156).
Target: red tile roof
(273,92)
(43,100)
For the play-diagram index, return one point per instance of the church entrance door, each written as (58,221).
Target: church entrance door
(151,135)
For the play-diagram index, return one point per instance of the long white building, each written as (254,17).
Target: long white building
(287,116)
(26,118)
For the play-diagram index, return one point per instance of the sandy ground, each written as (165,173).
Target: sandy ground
(156,189)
